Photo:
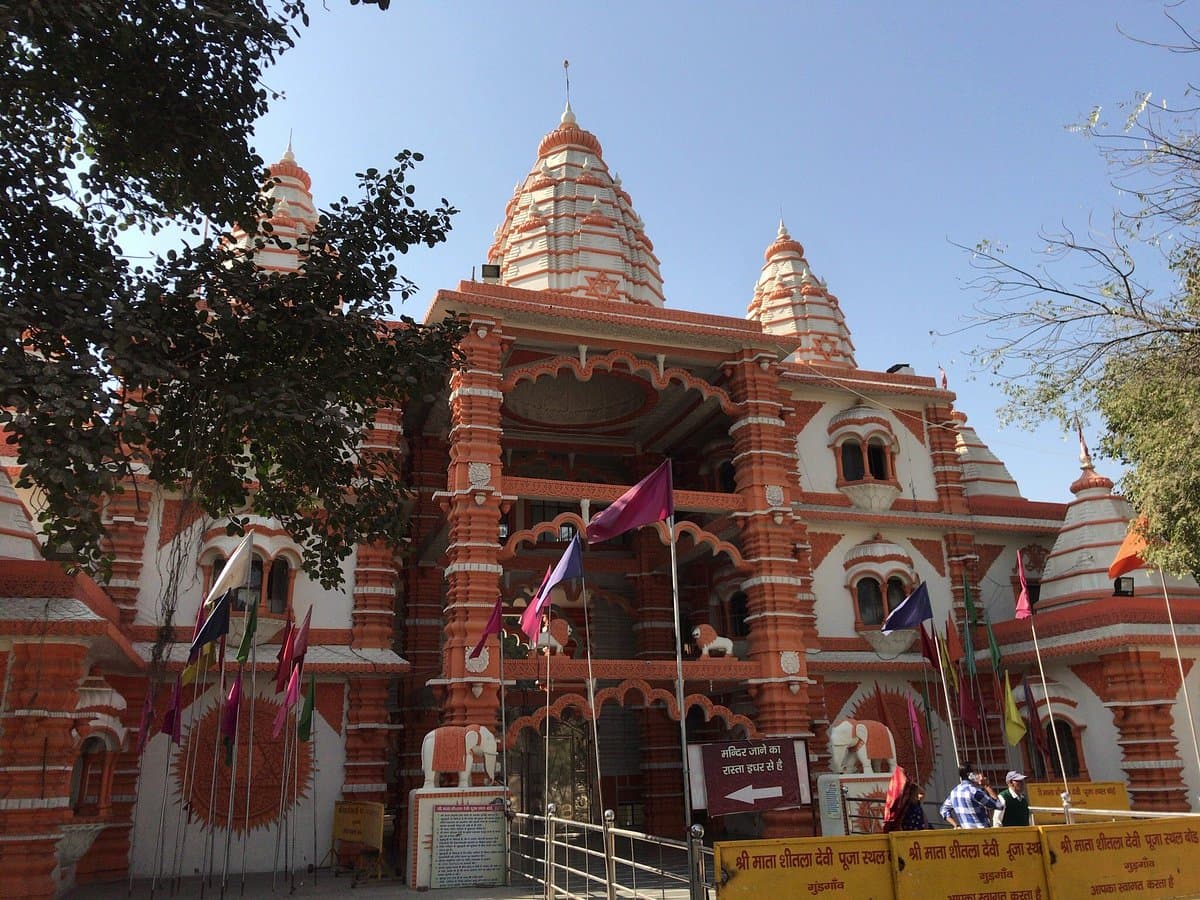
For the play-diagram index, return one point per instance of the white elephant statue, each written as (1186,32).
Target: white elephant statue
(456,748)
(866,740)
(555,637)
(707,640)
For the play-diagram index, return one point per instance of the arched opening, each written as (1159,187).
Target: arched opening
(87,777)
(277,586)
(870,601)
(877,460)
(737,615)
(852,461)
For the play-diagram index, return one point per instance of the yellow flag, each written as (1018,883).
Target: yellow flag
(203,662)
(1014,725)
(947,667)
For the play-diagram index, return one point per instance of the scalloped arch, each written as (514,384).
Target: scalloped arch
(703,538)
(530,535)
(608,362)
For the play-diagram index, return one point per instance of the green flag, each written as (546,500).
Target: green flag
(304,725)
(993,647)
(969,645)
(928,712)
(972,619)
(243,653)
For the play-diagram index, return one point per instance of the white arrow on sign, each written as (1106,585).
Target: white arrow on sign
(751,794)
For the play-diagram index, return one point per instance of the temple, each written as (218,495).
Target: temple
(812,494)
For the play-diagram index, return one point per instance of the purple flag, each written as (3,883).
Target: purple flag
(910,613)
(650,500)
(492,627)
(214,627)
(301,645)
(173,718)
(289,700)
(914,723)
(570,566)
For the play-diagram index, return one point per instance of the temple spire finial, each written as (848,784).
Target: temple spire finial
(288,154)
(1085,456)
(568,116)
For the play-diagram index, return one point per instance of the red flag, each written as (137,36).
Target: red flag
(650,500)
(172,723)
(1129,557)
(927,649)
(285,657)
(893,807)
(1024,610)
(229,717)
(881,710)
(301,645)
(954,647)
(492,626)
(289,700)
(914,723)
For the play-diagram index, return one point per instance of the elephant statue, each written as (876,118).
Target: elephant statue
(454,748)
(554,639)
(866,740)
(707,640)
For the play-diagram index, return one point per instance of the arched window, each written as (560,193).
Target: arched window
(852,461)
(277,585)
(870,601)
(87,774)
(897,590)
(1066,742)
(877,459)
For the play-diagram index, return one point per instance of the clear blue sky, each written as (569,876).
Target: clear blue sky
(883,131)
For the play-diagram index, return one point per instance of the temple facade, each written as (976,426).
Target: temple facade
(812,494)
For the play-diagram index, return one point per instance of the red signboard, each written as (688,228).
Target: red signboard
(750,776)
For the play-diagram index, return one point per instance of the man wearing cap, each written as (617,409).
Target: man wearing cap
(1016,803)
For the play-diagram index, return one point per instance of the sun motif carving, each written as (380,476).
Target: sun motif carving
(266,774)
(601,287)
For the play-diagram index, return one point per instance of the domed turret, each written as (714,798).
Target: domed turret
(571,228)
(790,300)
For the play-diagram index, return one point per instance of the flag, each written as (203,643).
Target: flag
(911,611)
(304,725)
(881,710)
(202,663)
(243,654)
(928,713)
(173,718)
(144,722)
(927,648)
(300,647)
(289,700)
(1014,725)
(1024,607)
(894,805)
(650,500)
(914,723)
(570,566)
(283,667)
(492,627)
(1037,732)
(944,658)
(972,618)
(229,718)
(967,710)
(969,644)
(1129,556)
(954,647)
(993,647)
(214,627)
(233,576)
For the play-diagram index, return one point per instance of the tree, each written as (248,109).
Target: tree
(1120,332)
(248,391)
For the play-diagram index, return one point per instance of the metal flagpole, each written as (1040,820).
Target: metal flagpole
(546,804)
(295,827)
(159,841)
(279,821)
(587,627)
(1187,703)
(312,736)
(1050,709)
(249,755)
(946,694)
(191,756)
(210,838)
(232,784)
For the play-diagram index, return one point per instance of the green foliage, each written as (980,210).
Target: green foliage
(248,391)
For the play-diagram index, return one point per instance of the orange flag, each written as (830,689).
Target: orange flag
(1129,557)
(954,647)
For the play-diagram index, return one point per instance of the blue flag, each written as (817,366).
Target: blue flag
(214,627)
(914,610)
(570,566)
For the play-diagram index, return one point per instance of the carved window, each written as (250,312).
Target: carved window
(870,601)
(852,461)
(278,582)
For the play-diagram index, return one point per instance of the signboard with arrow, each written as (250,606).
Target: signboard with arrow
(752,776)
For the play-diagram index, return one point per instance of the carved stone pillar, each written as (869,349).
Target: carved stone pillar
(367,740)
(472,503)
(943,454)
(37,754)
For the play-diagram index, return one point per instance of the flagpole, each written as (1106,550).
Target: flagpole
(546,805)
(1050,709)
(949,715)
(295,792)
(279,821)
(249,756)
(210,839)
(232,784)
(162,816)
(679,699)
(187,781)
(312,736)
(587,628)
(1187,703)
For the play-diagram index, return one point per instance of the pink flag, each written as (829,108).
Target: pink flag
(286,653)
(1024,610)
(570,566)
(493,624)
(915,723)
(301,646)
(289,700)
(229,717)
(650,500)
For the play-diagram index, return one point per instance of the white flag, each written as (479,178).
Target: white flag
(235,571)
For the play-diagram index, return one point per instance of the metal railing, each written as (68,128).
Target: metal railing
(581,860)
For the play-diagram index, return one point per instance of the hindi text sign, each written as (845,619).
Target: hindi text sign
(750,776)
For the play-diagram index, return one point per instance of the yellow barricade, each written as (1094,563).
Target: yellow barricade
(1145,858)
(851,867)
(1084,795)
(969,863)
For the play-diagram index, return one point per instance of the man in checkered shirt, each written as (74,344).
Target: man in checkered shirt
(971,803)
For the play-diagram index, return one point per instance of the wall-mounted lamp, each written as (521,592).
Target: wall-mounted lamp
(1123,586)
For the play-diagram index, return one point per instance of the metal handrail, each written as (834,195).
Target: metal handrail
(1115,813)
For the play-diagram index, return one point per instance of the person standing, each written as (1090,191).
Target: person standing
(1016,802)
(971,803)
